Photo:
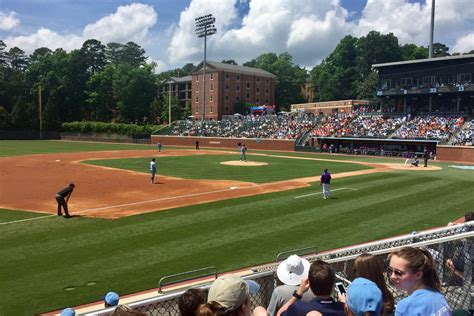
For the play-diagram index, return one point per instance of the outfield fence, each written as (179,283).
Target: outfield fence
(454,243)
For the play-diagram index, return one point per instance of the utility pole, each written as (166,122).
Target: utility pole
(169,103)
(40,112)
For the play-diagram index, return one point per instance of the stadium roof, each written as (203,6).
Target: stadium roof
(234,68)
(177,80)
(419,61)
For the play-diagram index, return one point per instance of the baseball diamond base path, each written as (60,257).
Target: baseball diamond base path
(29,183)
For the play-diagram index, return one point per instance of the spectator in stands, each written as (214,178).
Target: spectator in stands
(230,295)
(124,310)
(111,299)
(320,280)
(363,298)
(68,312)
(412,270)
(369,267)
(290,272)
(190,301)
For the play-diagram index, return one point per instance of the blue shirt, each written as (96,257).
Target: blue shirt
(423,302)
(327,307)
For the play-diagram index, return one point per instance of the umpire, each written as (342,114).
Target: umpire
(62,197)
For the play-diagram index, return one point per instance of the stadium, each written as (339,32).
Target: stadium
(161,207)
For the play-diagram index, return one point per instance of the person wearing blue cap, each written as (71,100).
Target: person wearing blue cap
(68,312)
(363,296)
(111,299)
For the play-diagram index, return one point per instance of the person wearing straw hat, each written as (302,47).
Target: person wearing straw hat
(290,272)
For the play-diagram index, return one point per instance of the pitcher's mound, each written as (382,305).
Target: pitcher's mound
(244,163)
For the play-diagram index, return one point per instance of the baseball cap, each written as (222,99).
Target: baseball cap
(111,298)
(364,296)
(231,291)
(68,312)
(292,270)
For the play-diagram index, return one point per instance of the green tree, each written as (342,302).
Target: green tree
(24,115)
(412,51)
(101,102)
(51,119)
(440,50)
(17,58)
(3,54)
(230,62)
(93,53)
(133,55)
(5,119)
(289,77)
(365,89)
(113,52)
(40,53)
(175,109)
(135,90)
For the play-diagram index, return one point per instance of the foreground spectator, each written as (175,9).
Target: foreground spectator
(412,270)
(320,280)
(290,272)
(230,295)
(111,299)
(363,298)
(190,301)
(68,312)
(369,267)
(124,310)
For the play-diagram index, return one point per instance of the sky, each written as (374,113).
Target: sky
(308,29)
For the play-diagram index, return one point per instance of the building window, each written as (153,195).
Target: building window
(238,88)
(407,82)
(267,91)
(197,99)
(258,79)
(211,98)
(212,76)
(197,78)
(197,88)
(266,101)
(428,80)
(212,109)
(227,98)
(227,109)
(248,85)
(237,98)
(238,77)
(211,87)
(258,90)
(258,100)
(226,87)
(248,96)
(227,77)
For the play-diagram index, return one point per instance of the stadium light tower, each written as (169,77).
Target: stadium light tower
(204,28)
(430,52)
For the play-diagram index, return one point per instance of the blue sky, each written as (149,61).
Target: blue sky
(307,29)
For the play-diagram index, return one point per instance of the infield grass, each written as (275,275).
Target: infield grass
(51,263)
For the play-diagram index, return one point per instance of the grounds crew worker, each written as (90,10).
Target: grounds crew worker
(62,197)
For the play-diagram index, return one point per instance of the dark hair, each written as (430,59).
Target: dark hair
(213,309)
(321,278)
(72,184)
(370,267)
(153,159)
(419,259)
(190,301)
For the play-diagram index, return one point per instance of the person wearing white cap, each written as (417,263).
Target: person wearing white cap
(290,272)
(230,295)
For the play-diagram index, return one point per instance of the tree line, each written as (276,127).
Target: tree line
(114,83)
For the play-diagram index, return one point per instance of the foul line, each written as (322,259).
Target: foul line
(302,196)
(27,219)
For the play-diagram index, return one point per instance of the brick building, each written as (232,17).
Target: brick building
(181,88)
(228,84)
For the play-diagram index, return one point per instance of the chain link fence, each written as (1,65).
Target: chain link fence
(452,249)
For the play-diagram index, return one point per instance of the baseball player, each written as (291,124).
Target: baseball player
(62,197)
(325,182)
(152,170)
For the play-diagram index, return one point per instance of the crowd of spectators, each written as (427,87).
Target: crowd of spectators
(429,127)
(268,126)
(359,123)
(464,137)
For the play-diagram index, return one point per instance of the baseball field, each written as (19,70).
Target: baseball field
(207,209)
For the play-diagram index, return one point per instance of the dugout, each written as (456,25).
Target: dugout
(372,146)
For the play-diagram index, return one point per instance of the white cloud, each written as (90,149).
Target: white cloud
(129,23)
(464,44)
(410,22)
(8,20)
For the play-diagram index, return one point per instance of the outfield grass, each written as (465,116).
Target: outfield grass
(49,263)
(210,167)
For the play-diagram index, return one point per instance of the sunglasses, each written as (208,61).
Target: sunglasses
(397,273)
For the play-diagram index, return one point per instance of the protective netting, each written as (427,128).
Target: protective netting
(452,250)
